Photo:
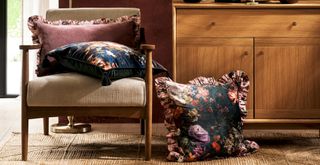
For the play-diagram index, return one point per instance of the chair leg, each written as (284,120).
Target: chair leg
(148,137)
(149,84)
(142,127)
(46,126)
(24,137)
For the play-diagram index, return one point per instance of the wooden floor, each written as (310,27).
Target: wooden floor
(10,118)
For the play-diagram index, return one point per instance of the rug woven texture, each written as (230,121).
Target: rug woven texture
(277,148)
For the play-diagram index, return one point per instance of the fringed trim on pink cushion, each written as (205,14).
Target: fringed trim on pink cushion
(32,24)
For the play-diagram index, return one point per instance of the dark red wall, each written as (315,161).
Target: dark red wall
(156,18)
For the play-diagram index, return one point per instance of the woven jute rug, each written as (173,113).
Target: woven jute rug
(277,147)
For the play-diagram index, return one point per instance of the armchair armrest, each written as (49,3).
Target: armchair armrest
(147,47)
(25,63)
(24,85)
(149,84)
(29,47)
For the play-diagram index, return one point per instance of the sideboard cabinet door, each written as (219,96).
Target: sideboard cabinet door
(214,57)
(287,78)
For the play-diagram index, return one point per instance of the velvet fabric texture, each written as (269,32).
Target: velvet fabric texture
(205,118)
(53,34)
(105,60)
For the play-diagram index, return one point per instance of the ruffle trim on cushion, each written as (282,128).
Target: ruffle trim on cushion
(170,109)
(241,80)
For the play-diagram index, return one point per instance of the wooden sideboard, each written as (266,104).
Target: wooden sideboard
(277,45)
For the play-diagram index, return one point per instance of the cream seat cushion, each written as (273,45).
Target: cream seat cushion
(73,89)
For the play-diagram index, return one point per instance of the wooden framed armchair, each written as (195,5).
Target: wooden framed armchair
(64,94)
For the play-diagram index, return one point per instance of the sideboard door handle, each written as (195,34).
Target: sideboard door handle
(294,23)
(260,53)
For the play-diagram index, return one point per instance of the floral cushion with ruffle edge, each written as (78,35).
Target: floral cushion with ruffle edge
(205,117)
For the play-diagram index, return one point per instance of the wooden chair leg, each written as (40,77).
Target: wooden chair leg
(142,126)
(148,138)
(148,50)
(24,137)
(46,126)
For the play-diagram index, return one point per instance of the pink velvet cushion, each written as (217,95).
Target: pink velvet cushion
(51,35)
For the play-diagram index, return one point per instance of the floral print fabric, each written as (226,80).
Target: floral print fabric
(103,59)
(205,118)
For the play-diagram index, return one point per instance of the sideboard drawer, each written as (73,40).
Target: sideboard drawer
(248,23)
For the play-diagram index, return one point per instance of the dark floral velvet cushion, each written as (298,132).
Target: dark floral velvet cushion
(106,60)
(205,118)
(53,34)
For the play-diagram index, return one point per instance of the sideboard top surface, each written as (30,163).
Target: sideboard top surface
(271,5)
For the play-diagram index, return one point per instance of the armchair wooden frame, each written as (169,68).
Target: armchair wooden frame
(29,112)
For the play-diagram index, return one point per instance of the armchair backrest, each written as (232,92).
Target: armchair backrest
(89,13)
